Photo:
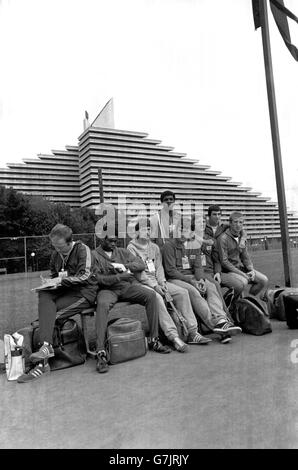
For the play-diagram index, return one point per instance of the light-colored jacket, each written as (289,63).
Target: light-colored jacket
(150,251)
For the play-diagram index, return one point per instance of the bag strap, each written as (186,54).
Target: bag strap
(257,303)
(180,318)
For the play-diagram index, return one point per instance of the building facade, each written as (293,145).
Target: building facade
(138,168)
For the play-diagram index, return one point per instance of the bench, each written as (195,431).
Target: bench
(119,310)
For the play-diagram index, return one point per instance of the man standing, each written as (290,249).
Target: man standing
(183,268)
(237,267)
(114,269)
(71,289)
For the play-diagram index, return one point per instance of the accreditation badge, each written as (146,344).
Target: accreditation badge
(203,260)
(150,265)
(63,274)
(185,262)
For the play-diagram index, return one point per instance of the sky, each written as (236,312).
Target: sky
(187,72)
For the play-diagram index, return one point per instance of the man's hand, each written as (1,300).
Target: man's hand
(202,286)
(217,277)
(119,267)
(159,289)
(251,275)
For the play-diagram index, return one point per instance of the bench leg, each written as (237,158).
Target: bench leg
(85,334)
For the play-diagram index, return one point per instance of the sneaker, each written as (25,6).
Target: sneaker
(33,374)
(102,363)
(156,346)
(227,327)
(45,352)
(225,339)
(199,339)
(179,345)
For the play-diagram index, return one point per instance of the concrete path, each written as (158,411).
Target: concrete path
(239,395)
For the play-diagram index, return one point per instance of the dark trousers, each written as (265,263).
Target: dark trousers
(52,307)
(136,294)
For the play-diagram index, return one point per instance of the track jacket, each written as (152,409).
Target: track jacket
(107,276)
(174,256)
(78,266)
(232,258)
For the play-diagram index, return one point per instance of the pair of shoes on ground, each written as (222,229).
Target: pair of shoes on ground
(42,368)
(227,328)
(45,352)
(197,338)
(37,372)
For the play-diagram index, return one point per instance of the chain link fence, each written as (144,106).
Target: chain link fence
(29,254)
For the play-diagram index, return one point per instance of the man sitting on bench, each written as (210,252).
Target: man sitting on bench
(71,289)
(114,268)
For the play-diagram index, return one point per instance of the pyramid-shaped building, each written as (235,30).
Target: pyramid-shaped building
(138,168)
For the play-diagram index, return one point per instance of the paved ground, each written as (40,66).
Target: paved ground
(239,395)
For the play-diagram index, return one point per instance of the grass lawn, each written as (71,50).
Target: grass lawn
(18,305)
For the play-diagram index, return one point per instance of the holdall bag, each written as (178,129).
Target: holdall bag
(13,356)
(125,340)
(68,343)
(290,303)
(251,314)
(271,297)
(280,301)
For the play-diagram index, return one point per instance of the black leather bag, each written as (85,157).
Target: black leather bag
(251,314)
(68,344)
(125,340)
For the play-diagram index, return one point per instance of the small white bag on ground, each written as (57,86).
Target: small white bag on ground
(13,354)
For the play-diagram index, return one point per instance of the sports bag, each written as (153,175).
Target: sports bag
(271,297)
(290,304)
(281,301)
(251,314)
(13,356)
(125,340)
(68,343)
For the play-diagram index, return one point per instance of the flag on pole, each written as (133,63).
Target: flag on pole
(280,14)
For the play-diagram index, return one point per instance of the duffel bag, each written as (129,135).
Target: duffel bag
(251,314)
(290,304)
(125,340)
(280,302)
(68,343)
(271,297)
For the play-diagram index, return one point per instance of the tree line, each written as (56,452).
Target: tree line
(25,215)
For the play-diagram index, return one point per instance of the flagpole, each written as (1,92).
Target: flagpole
(282,206)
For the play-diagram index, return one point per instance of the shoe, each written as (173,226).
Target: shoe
(227,327)
(199,339)
(156,346)
(45,352)
(179,345)
(102,363)
(38,371)
(225,339)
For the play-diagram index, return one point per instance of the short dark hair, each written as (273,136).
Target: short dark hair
(235,215)
(213,208)
(61,231)
(167,193)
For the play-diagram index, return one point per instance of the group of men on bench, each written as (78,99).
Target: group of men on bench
(145,273)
